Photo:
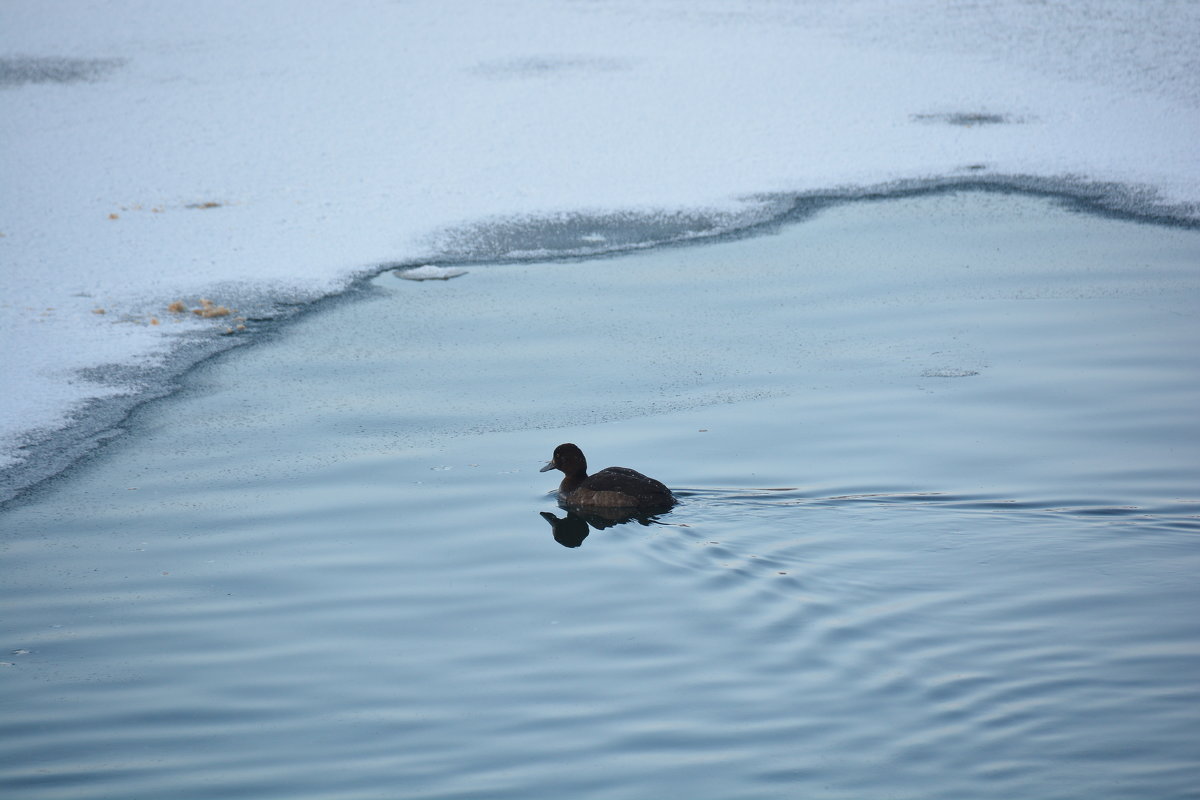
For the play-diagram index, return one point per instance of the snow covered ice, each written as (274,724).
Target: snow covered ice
(260,156)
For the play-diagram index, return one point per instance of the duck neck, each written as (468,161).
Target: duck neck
(571,480)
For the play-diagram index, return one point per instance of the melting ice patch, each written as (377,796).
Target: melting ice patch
(18,70)
(430,273)
(949,372)
(970,119)
(543,66)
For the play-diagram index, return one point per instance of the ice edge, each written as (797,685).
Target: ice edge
(43,454)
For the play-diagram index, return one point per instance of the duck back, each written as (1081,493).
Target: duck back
(621,487)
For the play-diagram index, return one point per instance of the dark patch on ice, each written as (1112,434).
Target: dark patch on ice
(968,119)
(544,66)
(19,70)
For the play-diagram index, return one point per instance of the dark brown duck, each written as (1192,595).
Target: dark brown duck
(614,487)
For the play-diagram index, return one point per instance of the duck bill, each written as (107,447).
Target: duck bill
(549,466)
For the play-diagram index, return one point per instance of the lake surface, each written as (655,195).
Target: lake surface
(939,460)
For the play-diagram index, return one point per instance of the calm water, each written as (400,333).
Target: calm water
(940,462)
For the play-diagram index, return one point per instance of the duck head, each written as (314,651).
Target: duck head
(569,459)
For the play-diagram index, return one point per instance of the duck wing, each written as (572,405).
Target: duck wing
(622,479)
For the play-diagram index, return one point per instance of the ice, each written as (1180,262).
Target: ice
(255,154)
(429,272)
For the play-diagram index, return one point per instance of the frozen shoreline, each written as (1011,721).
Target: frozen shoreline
(48,452)
(268,156)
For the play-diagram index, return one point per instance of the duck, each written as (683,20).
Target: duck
(613,487)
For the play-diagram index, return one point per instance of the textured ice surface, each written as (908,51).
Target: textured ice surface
(264,155)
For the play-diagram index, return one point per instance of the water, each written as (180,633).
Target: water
(938,538)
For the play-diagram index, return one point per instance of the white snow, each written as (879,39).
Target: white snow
(234,150)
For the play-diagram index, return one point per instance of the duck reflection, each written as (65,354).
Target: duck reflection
(571,530)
